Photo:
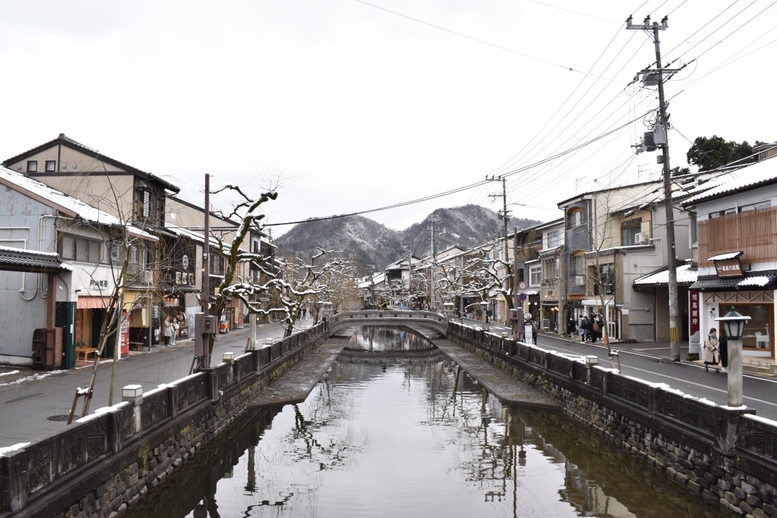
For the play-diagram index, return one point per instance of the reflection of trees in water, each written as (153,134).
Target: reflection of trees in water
(474,422)
(388,338)
(602,480)
(499,452)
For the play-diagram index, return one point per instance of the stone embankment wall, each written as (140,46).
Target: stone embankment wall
(107,461)
(721,454)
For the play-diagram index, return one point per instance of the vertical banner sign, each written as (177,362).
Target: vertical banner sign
(694,324)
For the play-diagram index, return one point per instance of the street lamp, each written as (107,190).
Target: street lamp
(734,325)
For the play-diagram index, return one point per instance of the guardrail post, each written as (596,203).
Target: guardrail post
(133,394)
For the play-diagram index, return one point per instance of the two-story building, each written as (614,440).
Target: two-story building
(735,247)
(135,197)
(614,238)
(91,244)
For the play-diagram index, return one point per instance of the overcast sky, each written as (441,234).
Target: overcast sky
(348,106)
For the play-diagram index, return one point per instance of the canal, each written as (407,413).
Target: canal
(396,429)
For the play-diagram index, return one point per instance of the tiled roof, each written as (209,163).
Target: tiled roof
(686,275)
(20,260)
(757,280)
(69,142)
(67,203)
(759,174)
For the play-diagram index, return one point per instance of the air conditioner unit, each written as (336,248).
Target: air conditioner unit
(149,277)
(579,280)
(641,239)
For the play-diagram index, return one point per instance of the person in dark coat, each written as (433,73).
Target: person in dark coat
(585,325)
(723,349)
(571,326)
(596,329)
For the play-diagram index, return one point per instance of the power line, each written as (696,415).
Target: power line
(462,35)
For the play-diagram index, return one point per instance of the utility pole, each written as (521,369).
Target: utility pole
(662,127)
(206,251)
(432,267)
(505,215)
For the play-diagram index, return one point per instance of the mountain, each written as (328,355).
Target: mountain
(372,246)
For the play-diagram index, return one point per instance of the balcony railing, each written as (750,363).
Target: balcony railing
(753,232)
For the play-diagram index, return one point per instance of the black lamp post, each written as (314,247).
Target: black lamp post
(734,325)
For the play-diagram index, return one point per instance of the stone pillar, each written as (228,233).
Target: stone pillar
(735,390)
(134,394)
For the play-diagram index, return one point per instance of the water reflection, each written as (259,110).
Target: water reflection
(387,435)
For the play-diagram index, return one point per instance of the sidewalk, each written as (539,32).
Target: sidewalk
(754,366)
(37,404)
(10,375)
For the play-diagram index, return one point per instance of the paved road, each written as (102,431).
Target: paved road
(35,404)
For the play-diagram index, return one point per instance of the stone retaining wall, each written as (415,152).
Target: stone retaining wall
(721,454)
(107,461)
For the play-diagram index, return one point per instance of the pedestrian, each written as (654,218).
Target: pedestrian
(596,328)
(711,350)
(723,345)
(167,330)
(174,331)
(585,329)
(534,330)
(571,326)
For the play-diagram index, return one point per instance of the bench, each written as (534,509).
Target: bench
(83,353)
(138,346)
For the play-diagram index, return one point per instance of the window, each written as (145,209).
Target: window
(117,252)
(550,268)
(575,217)
(554,238)
(604,279)
(146,205)
(535,275)
(68,251)
(82,249)
(578,268)
(51,166)
(32,166)
(629,231)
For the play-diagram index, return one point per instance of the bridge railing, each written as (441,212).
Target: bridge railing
(388,316)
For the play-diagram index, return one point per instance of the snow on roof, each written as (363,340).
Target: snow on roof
(725,257)
(194,235)
(762,172)
(67,203)
(685,275)
(756,280)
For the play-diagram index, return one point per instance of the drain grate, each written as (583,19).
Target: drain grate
(59,417)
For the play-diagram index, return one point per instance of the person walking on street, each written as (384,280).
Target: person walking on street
(174,330)
(585,326)
(723,341)
(167,330)
(712,350)
(596,329)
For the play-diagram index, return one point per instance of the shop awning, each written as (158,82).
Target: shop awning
(93,302)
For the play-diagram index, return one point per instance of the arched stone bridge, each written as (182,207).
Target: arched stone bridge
(376,317)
